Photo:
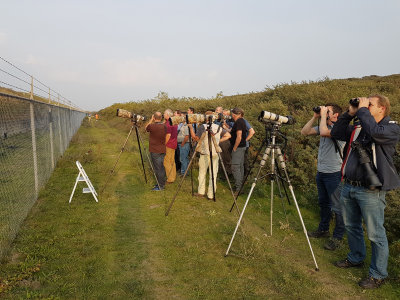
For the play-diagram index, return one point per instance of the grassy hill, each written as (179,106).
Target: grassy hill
(124,247)
(296,99)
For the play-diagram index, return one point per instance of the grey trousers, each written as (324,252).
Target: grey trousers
(157,159)
(238,166)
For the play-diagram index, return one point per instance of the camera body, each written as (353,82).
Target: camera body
(266,116)
(129,115)
(371,180)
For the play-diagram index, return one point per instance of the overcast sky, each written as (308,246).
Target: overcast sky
(96,53)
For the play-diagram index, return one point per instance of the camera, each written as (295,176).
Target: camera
(317,109)
(371,180)
(354,102)
(198,118)
(266,116)
(129,115)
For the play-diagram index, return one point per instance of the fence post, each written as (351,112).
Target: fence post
(35,167)
(51,139)
(31,88)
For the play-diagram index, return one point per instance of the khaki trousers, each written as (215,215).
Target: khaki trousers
(169,164)
(204,164)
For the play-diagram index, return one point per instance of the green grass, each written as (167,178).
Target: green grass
(124,247)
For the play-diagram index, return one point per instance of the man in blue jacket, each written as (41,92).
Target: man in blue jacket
(377,136)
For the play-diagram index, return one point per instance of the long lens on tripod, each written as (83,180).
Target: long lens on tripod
(268,116)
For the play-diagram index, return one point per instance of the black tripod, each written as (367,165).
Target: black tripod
(270,150)
(140,142)
(211,139)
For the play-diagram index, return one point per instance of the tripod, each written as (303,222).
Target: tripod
(211,139)
(140,142)
(263,144)
(270,150)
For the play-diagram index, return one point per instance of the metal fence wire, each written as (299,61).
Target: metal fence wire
(33,135)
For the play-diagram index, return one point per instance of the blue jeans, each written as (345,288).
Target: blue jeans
(327,184)
(184,156)
(361,203)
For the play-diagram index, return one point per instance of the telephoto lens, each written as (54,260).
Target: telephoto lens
(317,109)
(354,102)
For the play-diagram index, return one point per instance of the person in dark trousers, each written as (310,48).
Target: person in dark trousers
(238,146)
(158,131)
(369,152)
(328,173)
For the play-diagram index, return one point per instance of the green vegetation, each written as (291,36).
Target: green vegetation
(125,248)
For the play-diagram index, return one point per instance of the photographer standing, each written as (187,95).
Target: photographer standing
(157,130)
(171,143)
(366,181)
(328,173)
(238,145)
(220,135)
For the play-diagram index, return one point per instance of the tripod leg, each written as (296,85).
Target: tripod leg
(148,158)
(191,167)
(272,184)
(140,151)
(122,150)
(226,174)
(211,163)
(184,175)
(262,163)
(240,218)
(248,172)
(283,167)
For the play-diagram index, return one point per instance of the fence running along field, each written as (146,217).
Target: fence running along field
(33,135)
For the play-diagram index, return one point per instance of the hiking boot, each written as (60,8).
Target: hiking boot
(348,264)
(318,234)
(333,244)
(371,283)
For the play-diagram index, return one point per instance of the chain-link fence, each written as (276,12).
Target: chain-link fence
(33,135)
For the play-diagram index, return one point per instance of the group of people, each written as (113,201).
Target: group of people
(342,179)
(232,135)
(343,190)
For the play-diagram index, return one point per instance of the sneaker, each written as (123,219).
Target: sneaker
(333,244)
(348,264)
(371,283)
(157,188)
(318,234)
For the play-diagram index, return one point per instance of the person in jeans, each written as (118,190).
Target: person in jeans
(158,131)
(183,146)
(377,135)
(328,174)
(238,145)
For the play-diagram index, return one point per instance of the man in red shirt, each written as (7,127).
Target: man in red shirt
(158,131)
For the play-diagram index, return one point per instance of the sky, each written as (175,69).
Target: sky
(96,53)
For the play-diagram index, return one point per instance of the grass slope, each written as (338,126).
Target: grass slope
(125,248)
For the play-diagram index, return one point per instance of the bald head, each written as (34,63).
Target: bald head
(157,116)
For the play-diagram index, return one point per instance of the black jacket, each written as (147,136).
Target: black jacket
(384,134)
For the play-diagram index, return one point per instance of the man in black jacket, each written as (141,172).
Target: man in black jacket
(376,137)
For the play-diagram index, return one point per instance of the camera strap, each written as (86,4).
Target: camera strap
(337,148)
(354,135)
